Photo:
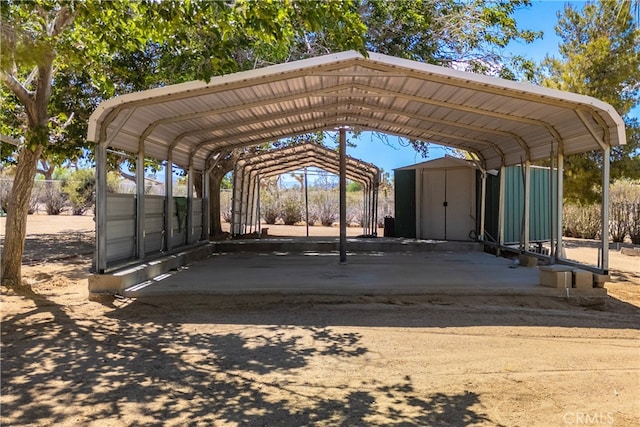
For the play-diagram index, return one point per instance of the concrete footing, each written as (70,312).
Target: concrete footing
(117,281)
(294,266)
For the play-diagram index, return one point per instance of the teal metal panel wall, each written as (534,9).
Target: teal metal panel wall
(539,204)
(405,203)
(514,203)
(491,207)
(540,220)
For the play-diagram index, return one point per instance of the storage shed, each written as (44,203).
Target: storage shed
(441,200)
(445,199)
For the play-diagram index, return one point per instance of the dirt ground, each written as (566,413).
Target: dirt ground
(308,361)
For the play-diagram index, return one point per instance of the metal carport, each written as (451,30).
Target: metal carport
(500,122)
(250,169)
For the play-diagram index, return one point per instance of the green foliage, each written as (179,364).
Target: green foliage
(600,54)
(226,182)
(100,49)
(449,33)
(353,187)
(445,31)
(600,57)
(79,187)
(291,211)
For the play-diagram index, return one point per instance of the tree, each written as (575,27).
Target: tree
(44,39)
(599,57)
(469,35)
(59,59)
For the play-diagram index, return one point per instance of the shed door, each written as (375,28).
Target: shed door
(448,203)
(460,186)
(433,209)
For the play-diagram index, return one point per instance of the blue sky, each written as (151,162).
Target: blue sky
(540,16)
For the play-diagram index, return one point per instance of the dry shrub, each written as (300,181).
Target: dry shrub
(54,198)
(269,210)
(634,223)
(291,212)
(624,217)
(226,215)
(325,206)
(618,221)
(581,221)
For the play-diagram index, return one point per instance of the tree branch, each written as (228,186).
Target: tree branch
(9,140)
(25,96)
(32,76)
(63,18)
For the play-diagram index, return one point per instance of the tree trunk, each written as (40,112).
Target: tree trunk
(215,180)
(16,225)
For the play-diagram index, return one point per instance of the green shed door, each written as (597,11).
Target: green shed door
(405,203)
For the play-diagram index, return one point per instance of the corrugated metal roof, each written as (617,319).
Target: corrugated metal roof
(501,121)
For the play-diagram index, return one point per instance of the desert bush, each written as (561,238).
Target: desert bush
(624,201)
(619,220)
(5,194)
(54,199)
(291,211)
(79,188)
(270,209)
(634,223)
(581,221)
(325,206)
(226,215)
(313,218)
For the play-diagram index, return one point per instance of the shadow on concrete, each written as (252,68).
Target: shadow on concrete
(142,366)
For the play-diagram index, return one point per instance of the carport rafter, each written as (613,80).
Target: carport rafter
(334,91)
(364,106)
(416,133)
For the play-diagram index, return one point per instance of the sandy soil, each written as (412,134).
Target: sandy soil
(194,361)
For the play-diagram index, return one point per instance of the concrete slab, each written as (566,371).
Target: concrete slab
(372,273)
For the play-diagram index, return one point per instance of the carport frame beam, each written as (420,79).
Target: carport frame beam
(343,195)
(606,171)
(101,209)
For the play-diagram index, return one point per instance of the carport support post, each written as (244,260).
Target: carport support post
(483,203)
(234,201)
(559,202)
(259,219)
(365,209)
(604,253)
(101,208)
(168,219)
(501,208)
(376,196)
(205,204)
(140,202)
(189,221)
(527,203)
(306,200)
(343,195)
